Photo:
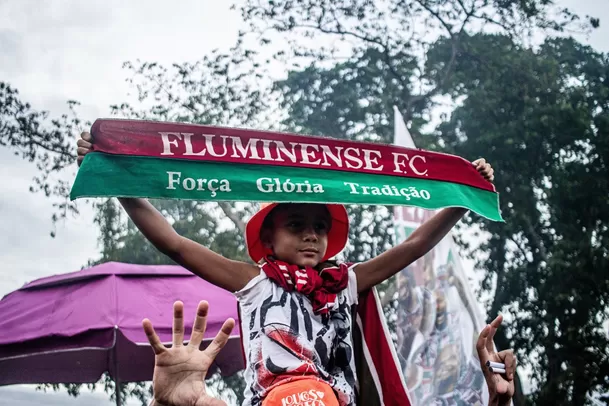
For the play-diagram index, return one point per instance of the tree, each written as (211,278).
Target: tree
(221,88)
(45,142)
(354,97)
(395,35)
(541,117)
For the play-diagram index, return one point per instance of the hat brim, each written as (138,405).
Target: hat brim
(337,236)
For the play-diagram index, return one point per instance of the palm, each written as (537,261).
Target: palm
(180,371)
(180,375)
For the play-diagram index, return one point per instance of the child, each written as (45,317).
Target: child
(295,305)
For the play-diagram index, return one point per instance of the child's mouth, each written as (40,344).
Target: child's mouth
(309,251)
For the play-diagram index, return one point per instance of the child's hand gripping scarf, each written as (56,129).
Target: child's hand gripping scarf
(320,287)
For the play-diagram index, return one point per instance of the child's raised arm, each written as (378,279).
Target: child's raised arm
(422,240)
(225,273)
(214,268)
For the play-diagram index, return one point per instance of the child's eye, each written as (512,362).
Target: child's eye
(294,224)
(321,227)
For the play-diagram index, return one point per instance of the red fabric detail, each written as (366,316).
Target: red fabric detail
(386,365)
(143,138)
(320,287)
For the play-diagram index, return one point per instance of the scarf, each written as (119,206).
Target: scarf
(320,287)
(182,161)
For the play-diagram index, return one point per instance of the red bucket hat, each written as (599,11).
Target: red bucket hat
(337,236)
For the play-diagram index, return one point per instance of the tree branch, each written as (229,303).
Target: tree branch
(442,81)
(522,252)
(536,240)
(50,149)
(437,16)
(361,37)
(230,213)
(341,32)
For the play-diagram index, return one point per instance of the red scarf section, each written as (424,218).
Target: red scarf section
(320,287)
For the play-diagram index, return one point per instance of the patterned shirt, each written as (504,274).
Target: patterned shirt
(284,340)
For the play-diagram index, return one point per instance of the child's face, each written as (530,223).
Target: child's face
(299,233)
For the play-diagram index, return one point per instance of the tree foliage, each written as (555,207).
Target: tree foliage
(46,142)
(541,116)
(395,34)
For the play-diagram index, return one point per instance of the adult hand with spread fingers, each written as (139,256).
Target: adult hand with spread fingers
(500,381)
(179,372)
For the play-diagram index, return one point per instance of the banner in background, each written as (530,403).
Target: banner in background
(437,316)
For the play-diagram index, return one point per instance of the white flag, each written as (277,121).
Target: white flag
(401,135)
(438,319)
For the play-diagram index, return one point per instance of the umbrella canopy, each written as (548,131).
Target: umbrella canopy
(71,328)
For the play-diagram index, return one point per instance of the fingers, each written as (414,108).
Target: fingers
(153,338)
(178,324)
(221,339)
(86,136)
(84,145)
(488,173)
(198,328)
(479,162)
(481,346)
(509,359)
(497,322)
(485,169)
(490,345)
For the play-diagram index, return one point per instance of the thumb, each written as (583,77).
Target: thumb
(85,135)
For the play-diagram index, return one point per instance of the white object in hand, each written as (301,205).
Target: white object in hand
(497,370)
(495,364)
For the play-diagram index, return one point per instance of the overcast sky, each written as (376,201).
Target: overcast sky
(53,51)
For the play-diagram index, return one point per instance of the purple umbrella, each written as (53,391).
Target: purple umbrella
(71,328)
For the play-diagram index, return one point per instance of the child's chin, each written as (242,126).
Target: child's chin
(307,262)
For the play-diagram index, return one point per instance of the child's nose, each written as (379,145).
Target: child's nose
(309,234)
